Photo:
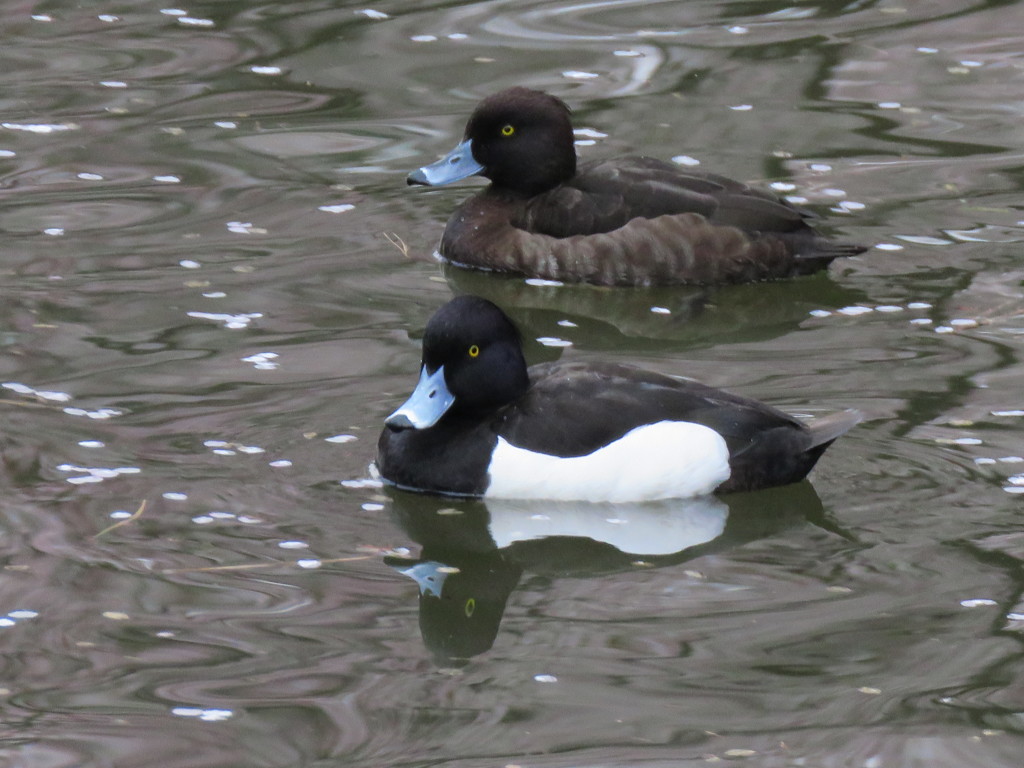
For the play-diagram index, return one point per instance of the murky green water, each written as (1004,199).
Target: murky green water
(207,312)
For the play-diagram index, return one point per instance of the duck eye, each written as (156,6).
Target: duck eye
(508,130)
(474,351)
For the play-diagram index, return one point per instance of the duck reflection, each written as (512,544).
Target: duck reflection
(473,553)
(656,318)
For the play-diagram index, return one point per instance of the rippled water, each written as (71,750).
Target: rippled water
(214,284)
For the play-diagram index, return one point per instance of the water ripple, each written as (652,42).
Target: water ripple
(193,550)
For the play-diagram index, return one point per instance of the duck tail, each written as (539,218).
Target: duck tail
(826,429)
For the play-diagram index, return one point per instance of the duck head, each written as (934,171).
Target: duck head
(472,363)
(520,139)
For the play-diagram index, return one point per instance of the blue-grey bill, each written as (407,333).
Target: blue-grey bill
(457,164)
(426,405)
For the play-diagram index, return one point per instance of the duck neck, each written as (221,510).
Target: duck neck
(543,176)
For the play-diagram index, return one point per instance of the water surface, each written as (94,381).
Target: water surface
(215,282)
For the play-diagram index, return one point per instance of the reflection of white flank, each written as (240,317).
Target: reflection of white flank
(648,528)
(667,460)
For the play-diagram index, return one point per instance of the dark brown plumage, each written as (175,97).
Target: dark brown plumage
(630,221)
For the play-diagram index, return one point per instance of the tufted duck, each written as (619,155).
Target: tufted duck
(480,424)
(630,221)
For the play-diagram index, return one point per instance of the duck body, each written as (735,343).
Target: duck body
(573,431)
(628,221)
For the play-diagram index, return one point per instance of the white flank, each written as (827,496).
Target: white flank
(666,460)
(644,528)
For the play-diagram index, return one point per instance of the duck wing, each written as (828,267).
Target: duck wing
(572,409)
(607,194)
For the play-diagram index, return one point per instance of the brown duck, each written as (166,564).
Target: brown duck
(627,221)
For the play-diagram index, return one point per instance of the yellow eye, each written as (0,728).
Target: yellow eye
(508,130)
(474,351)
(470,607)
